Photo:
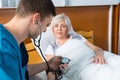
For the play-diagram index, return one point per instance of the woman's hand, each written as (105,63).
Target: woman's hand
(51,76)
(63,66)
(99,53)
(99,57)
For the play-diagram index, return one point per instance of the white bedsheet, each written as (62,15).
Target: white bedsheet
(81,66)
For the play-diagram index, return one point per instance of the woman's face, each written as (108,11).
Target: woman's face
(60,30)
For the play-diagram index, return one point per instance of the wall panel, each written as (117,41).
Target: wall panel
(84,18)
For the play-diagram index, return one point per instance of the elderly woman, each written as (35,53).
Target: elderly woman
(84,56)
(63,31)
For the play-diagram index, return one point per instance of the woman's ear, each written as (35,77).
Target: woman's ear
(36,18)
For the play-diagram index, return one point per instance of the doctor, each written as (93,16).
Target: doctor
(29,17)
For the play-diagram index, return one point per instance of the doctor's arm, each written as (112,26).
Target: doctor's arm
(53,64)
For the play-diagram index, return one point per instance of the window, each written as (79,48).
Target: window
(9,3)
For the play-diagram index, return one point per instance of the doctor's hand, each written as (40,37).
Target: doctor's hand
(99,58)
(55,62)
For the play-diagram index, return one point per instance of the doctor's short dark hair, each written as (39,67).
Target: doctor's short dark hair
(27,7)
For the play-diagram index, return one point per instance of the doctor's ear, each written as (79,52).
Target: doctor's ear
(36,18)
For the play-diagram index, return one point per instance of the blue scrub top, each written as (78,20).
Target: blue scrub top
(13,58)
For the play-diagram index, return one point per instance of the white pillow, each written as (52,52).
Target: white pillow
(46,38)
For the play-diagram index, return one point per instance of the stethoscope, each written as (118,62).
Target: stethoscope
(37,44)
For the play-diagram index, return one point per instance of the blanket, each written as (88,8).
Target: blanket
(81,66)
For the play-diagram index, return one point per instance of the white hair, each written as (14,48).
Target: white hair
(62,17)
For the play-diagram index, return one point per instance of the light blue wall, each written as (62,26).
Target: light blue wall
(84,2)
(92,2)
(8,3)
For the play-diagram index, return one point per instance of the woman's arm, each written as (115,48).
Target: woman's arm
(49,53)
(49,56)
(99,57)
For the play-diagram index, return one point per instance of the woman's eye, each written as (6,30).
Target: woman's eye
(55,26)
(64,26)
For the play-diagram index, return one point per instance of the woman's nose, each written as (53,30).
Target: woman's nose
(59,28)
